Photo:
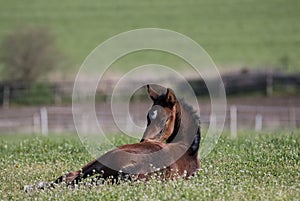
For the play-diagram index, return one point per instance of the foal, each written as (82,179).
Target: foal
(168,120)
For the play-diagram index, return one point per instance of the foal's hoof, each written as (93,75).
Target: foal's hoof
(37,186)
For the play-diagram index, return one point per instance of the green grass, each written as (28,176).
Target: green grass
(252,167)
(251,33)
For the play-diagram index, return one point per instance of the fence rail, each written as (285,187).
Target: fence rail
(59,119)
(261,118)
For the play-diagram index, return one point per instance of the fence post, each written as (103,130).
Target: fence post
(44,121)
(6,94)
(258,122)
(233,121)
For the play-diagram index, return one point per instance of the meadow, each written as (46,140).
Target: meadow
(255,166)
(236,33)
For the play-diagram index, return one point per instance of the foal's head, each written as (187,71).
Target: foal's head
(163,116)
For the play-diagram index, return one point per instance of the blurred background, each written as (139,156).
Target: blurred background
(254,43)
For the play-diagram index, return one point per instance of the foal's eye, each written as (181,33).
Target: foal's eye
(153,114)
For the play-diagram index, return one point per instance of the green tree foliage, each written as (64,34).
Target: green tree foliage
(27,54)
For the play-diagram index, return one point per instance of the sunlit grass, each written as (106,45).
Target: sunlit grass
(254,166)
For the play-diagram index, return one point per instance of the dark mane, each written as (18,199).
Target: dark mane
(188,108)
(194,147)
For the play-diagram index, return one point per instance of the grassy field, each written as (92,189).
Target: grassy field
(252,167)
(250,33)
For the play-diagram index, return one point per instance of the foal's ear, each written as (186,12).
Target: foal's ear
(153,94)
(170,97)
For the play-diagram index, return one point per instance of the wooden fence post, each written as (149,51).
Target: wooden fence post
(44,121)
(258,122)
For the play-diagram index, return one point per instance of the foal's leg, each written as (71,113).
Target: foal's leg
(92,168)
(72,178)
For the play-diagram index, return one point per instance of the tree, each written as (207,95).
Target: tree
(27,54)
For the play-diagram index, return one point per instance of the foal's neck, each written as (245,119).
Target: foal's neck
(186,125)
